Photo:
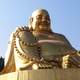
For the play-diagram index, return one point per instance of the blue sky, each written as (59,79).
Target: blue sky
(65,17)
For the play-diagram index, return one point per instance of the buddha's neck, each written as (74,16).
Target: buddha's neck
(42,31)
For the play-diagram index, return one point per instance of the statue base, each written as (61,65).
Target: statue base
(43,74)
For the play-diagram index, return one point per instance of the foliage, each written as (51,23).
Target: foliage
(1,63)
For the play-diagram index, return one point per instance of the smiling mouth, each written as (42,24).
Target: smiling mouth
(44,23)
(43,27)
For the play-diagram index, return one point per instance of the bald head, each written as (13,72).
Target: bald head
(42,11)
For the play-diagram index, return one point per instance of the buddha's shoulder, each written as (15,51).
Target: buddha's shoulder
(21,28)
(23,33)
(58,35)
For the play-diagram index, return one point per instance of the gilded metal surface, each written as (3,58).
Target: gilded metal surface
(37,44)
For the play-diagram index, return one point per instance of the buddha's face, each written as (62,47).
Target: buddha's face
(41,20)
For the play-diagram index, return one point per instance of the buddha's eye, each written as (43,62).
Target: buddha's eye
(38,17)
(46,17)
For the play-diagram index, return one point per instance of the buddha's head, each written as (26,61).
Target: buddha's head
(40,20)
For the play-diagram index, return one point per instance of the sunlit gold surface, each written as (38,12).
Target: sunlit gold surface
(37,44)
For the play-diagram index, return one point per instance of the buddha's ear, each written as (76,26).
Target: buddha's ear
(31,19)
(30,23)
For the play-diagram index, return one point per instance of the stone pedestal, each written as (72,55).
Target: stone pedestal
(44,74)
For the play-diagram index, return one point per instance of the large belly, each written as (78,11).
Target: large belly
(52,48)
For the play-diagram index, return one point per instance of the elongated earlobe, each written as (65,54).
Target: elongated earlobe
(30,24)
(30,19)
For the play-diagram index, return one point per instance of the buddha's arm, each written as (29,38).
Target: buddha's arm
(75,60)
(10,49)
(67,43)
(9,65)
(25,49)
(73,57)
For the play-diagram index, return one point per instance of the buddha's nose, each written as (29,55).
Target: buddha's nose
(44,19)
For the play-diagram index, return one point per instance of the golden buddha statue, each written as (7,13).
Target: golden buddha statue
(36,47)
